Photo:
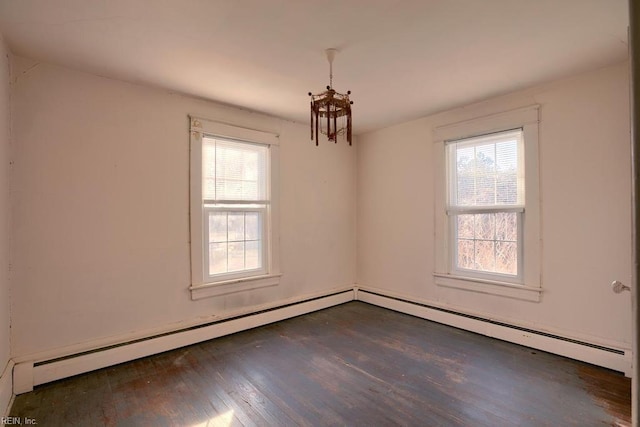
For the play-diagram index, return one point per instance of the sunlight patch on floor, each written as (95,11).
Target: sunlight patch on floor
(222,420)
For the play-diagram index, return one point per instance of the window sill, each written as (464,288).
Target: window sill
(491,287)
(207,290)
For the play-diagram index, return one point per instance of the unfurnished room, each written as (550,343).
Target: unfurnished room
(292,212)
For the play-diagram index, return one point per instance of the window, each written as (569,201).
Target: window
(235,203)
(487,205)
(233,206)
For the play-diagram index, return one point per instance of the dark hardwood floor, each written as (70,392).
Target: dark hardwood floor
(353,364)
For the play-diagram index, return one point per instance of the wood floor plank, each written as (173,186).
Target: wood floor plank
(353,364)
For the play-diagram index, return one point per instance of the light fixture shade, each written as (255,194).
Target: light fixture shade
(331,110)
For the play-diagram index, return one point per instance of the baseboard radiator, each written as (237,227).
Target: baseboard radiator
(616,358)
(28,374)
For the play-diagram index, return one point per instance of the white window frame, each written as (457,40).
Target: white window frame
(203,285)
(454,211)
(527,284)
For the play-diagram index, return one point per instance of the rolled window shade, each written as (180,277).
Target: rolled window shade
(233,171)
(486,171)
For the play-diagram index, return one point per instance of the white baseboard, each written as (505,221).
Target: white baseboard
(31,371)
(28,374)
(6,389)
(613,357)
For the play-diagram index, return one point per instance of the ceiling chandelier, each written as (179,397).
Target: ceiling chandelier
(331,110)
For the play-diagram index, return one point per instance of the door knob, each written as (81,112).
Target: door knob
(619,287)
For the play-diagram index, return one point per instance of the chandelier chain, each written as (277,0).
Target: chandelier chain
(331,74)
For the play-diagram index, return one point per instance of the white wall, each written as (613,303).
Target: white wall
(585,198)
(5,348)
(100,207)
(100,201)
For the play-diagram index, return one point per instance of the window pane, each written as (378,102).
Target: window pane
(507,258)
(466,227)
(485,227)
(507,226)
(236,226)
(217,258)
(487,243)
(252,226)
(466,254)
(236,256)
(253,255)
(485,256)
(217,226)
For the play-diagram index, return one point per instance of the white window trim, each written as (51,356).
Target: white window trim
(200,286)
(529,286)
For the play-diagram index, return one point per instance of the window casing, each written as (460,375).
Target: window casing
(487,214)
(234,207)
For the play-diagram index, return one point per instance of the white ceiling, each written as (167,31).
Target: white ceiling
(402,59)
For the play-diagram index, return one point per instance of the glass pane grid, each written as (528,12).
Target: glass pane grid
(487,242)
(235,242)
